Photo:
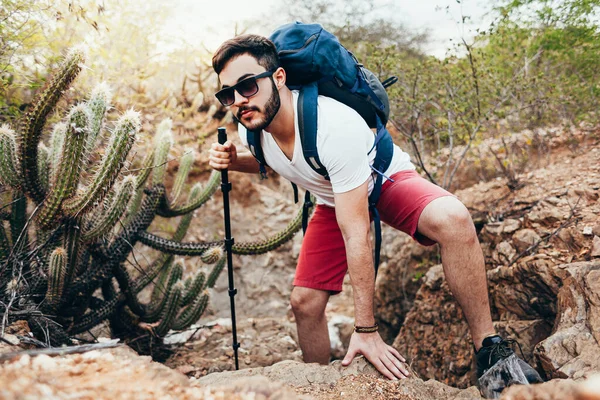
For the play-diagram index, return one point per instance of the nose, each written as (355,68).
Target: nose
(238,99)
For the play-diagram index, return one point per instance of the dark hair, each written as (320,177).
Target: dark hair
(259,47)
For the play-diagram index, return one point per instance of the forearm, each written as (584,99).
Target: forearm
(245,162)
(362,276)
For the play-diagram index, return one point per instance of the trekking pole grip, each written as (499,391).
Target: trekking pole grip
(221,135)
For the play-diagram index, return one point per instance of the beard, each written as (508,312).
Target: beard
(270,110)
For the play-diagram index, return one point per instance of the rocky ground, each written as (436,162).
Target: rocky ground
(541,239)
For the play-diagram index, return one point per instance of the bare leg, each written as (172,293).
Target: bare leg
(309,309)
(447,221)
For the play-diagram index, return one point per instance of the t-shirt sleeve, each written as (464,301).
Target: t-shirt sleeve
(343,151)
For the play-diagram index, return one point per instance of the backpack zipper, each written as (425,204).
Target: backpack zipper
(312,38)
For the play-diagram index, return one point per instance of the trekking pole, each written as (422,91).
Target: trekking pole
(226,188)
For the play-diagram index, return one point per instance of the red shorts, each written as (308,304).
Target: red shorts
(322,261)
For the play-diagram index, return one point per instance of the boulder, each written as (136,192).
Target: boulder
(552,311)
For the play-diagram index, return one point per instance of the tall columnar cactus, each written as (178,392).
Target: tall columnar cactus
(68,226)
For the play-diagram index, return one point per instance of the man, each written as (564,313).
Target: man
(337,239)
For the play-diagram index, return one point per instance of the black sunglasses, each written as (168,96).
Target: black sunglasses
(247,88)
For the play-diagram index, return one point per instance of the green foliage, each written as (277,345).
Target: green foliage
(537,65)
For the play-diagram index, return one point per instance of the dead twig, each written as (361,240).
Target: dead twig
(60,351)
(570,220)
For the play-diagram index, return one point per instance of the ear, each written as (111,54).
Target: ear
(279,77)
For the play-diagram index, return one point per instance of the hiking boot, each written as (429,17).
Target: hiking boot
(495,348)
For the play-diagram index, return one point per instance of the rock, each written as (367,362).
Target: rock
(595,247)
(558,389)
(510,225)
(525,238)
(296,373)
(260,387)
(435,337)
(358,381)
(546,214)
(552,311)
(340,329)
(505,252)
(398,279)
(572,349)
(596,230)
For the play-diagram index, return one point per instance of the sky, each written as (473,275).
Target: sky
(212,22)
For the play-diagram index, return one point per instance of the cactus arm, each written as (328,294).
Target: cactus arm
(44,166)
(193,291)
(18,221)
(215,272)
(161,263)
(191,313)
(93,318)
(272,242)
(33,123)
(146,169)
(72,241)
(142,178)
(98,104)
(126,285)
(57,275)
(162,293)
(212,255)
(164,142)
(211,187)
(112,163)
(179,234)
(119,249)
(163,278)
(4,248)
(8,164)
(244,248)
(170,312)
(109,219)
(68,171)
(57,141)
(173,247)
(182,173)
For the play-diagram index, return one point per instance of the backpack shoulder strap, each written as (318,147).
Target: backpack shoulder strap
(255,146)
(307,124)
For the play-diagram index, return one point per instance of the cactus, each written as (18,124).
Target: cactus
(8,172)
(114,158)
(57,274)
(66,232)
(33,123)
(184,169)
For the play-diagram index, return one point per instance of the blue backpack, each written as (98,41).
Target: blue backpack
(317,64)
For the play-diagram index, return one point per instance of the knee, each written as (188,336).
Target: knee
(306,305)
(452,222)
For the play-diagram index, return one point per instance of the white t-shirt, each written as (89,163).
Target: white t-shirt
(343,141)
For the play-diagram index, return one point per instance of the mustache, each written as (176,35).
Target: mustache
(246,108)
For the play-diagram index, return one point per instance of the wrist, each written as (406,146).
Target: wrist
(366,329)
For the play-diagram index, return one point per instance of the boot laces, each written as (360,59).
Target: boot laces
(504,349)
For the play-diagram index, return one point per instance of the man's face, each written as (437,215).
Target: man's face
(255,112)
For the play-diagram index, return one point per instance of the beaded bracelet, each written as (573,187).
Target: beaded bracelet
(366,329)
